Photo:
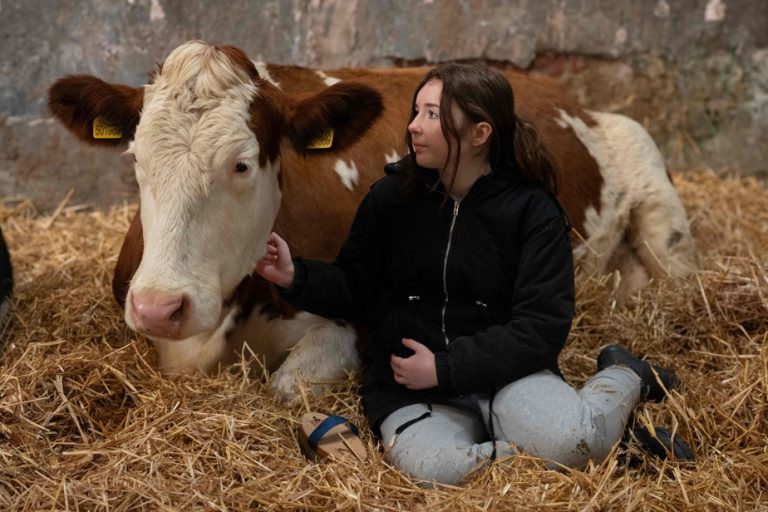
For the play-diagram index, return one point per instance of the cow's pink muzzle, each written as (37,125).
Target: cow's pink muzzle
(158,314)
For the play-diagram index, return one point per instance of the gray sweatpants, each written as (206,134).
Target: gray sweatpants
(540,415)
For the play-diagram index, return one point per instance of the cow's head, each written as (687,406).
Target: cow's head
(206,135)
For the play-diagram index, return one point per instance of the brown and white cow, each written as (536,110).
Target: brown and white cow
(221,154)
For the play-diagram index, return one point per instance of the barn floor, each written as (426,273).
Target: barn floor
(86,423)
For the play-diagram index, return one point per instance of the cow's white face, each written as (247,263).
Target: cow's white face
(206,135)
(207,204)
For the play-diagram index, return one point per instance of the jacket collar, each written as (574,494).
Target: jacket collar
(495,181)
(430,176)
(428,180)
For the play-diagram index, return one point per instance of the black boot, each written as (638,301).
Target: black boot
(653,388)
(661,443)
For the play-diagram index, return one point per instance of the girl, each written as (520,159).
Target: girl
(459,264)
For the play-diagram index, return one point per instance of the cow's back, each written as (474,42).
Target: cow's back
(322,189)
(543,103)
(318,204)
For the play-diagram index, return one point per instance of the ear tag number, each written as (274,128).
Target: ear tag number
(103,129)
(323,141)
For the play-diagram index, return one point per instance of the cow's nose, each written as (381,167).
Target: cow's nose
(158,314)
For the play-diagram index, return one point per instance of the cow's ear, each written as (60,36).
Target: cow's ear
(95,111)
(334,118)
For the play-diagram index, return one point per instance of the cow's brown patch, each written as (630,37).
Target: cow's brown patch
(78,100)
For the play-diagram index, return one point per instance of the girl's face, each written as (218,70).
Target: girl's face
(429,143)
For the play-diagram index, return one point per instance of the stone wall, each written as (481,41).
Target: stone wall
(694,72)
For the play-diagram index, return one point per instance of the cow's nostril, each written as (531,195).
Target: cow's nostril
(158,313)
(178,314)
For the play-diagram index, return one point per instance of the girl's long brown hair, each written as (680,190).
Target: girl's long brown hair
(484,95)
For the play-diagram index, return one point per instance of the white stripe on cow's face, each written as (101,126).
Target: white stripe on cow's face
(205,218)
(261,68)
(347,172)
(327,80)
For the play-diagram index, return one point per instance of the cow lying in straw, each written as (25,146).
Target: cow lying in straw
(226,149)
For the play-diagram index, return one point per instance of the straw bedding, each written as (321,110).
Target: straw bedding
(87,423)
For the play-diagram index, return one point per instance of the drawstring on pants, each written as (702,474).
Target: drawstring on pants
(399,430)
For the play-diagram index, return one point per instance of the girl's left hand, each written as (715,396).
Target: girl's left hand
(417,371)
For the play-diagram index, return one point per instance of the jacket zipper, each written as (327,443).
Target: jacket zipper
(445,267)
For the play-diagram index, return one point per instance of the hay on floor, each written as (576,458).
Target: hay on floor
(87,423)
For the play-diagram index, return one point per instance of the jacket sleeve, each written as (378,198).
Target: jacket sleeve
(349,287)
(541,314)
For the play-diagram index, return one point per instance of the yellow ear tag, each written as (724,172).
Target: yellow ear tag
(323,141)
(103,129)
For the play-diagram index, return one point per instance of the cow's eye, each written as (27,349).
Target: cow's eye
(241,167)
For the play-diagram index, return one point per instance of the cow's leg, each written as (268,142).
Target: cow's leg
(299,347)
(656,242)
(325,353)
(658,232)
(628,272)
(662,237)
(603,240)
(611,251)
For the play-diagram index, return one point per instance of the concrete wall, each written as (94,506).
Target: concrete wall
(695,72)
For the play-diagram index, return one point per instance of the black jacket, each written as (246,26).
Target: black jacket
(485,283)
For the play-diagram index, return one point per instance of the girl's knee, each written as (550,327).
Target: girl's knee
(572,451)
(444,466)
(443,446)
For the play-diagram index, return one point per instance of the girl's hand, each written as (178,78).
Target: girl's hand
(276,266)
(417,371)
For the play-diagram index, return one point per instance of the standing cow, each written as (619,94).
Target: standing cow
(226,149)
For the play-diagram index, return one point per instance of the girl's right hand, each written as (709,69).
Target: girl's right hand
(276,266)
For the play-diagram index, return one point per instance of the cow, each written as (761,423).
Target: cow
(6,280)
(227,149)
